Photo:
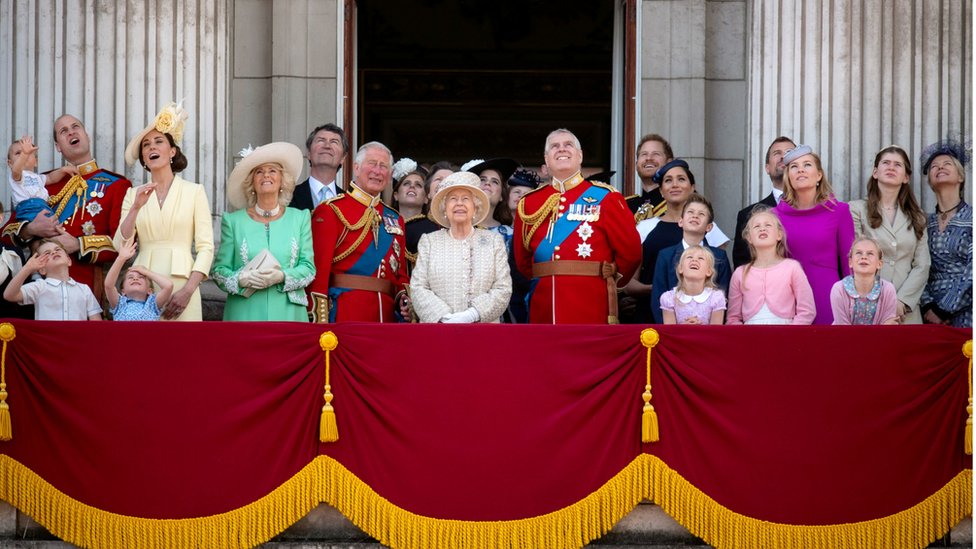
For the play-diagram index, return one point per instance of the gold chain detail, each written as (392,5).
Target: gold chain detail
(535,220)
(368,216)
(76,185)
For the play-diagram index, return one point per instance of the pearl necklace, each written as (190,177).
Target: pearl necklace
(267,213)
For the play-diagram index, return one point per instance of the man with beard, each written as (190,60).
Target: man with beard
(774,168)
(87,208)
(326,146)
(653,151)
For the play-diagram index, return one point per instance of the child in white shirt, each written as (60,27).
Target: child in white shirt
(58,296)
(26,187)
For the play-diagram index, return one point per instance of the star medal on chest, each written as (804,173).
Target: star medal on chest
(93,208)
(88,228)
(584,250)
(585,231)
(391,225)
(394,263)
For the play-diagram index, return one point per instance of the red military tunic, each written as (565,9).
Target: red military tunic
(356,234)
(592,224)
(89,208)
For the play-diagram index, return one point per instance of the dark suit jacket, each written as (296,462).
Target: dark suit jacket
(666,275)
(303,196)
(740,249)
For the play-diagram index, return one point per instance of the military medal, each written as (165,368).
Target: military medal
(88,228)
(93,208)
(584,250)
(391,225)
(585,231)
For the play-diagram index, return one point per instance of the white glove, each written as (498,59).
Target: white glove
(268,277)
(466,316)
(246,279)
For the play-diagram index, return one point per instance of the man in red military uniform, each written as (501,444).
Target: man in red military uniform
(360,266)
(86,208)
(576,240)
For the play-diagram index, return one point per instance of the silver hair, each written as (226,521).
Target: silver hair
(361,153)
(576,140)
(285,194)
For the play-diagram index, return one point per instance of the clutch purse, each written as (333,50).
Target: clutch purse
(264,260)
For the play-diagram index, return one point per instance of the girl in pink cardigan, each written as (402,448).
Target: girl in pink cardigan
(864,298)
(771,289)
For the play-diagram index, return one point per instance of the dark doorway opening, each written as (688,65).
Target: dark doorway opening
(455,80)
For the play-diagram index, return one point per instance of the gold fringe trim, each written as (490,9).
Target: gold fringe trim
(326,480)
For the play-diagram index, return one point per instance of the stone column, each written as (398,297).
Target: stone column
(694,92)
(849,78)
(285,76)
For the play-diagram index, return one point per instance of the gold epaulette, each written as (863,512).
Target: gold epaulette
(93,244)
(417,217)
(631,197)
(603,185)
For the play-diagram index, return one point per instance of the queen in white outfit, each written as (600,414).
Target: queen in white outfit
(462,274)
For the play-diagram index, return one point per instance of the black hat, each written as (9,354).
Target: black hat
(524,177)
(602,177)
(504,166)
(676,163)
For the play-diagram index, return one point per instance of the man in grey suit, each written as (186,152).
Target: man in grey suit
(326,146)
(774,168)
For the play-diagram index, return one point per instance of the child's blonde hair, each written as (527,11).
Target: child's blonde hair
(782,250)
(874,242)
(709,259)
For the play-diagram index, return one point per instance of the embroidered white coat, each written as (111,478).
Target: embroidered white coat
(452,275)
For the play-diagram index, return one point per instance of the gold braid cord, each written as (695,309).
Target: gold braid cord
(649,427)
(534,221)
(7,334)
(369,216)
(328,429)
(77,186)
(967,351)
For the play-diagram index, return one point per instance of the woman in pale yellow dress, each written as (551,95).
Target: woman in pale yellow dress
(169,216)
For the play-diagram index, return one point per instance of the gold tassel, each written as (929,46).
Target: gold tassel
(967,350)
(328,429)
(7,333)
(649,428)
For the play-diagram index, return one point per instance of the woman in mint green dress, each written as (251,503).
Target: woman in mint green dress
(265,257)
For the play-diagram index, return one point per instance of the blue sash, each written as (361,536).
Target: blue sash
(368,262)
(564,227)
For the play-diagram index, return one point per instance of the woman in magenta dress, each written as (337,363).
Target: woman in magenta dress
(820,228)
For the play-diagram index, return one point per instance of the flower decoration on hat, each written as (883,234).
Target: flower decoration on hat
(403,167)
(471,163)
(246,151)
(171,120)
(957,148)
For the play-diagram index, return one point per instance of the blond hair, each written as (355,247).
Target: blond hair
(709,259)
